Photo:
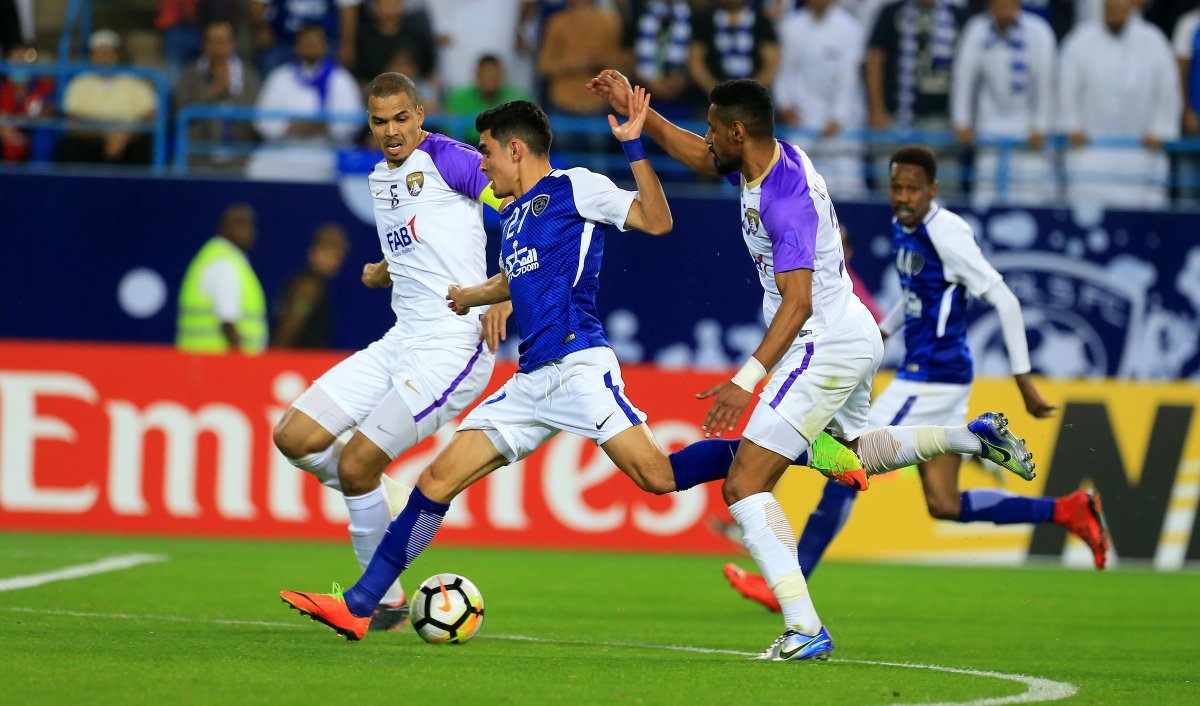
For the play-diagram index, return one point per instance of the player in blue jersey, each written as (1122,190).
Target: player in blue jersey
(430,365)
(822,340)
(940,267)
(569,380)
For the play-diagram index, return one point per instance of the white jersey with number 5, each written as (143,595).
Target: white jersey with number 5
(430,224)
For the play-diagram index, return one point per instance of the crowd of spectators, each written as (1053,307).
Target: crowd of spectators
(1001,76)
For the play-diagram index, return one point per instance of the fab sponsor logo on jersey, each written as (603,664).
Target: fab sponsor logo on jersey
(404,238)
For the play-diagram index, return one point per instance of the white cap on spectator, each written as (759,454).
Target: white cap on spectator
(104,38)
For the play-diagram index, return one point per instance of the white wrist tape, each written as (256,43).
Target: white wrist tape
(750,375)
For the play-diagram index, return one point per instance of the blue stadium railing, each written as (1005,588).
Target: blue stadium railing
(588,135)
(64,71)
(570,130)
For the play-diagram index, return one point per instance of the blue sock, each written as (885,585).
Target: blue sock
(708,460)
(824,524)
(406,537)
(701,462)
(1004,508)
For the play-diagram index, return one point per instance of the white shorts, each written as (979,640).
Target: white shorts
(910,403)
(582,393)
(822,383)
(430,381)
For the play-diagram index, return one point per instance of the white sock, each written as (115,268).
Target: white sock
(369,520)
(323,464)
(770,540)
(888,448)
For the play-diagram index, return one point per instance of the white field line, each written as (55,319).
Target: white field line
(102,566)
(1037,689)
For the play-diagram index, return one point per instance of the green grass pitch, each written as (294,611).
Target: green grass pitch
(206,626)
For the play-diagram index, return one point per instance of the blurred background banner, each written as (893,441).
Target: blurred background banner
(1104,293)
(143,439)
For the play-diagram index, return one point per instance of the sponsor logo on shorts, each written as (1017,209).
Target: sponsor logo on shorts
(601,424)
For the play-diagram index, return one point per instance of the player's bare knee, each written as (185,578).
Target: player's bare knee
(357,475)
(437,485)
(735,489)
(944,508)
(652,477)
(656,483)
(293,444)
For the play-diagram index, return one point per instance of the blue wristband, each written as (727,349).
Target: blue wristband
(634,150)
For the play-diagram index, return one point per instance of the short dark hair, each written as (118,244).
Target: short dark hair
(522,120)
(748,102)
(312,27)
(918,156)
(488,59)
(392,84)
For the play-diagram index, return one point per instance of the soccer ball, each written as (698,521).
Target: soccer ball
(447,608)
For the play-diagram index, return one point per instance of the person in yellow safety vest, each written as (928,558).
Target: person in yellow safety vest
(222,307)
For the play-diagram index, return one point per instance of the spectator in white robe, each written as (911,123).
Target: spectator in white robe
(1003,89)
(305,150)
(819,91)
(1118,80)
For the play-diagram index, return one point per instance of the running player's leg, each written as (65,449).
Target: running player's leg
(339,400)
(987,436)
(769,539)
(600,410)
(429,387)
(832,390)
(471,455)
(501,430)
(308,444)
(1079,513)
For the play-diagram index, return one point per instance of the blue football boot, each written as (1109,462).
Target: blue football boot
(1000,446)
(792,645)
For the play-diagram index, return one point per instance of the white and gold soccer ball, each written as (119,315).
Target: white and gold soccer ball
(447,608)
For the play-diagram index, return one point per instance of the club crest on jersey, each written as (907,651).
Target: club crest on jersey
(753,222)
(540,203)
(415,182)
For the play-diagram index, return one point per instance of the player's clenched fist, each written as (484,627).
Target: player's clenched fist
(375,275)
(455,298)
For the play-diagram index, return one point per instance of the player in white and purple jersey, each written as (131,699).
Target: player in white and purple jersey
(431,364)
(822,341)
(940,267)
(552,244)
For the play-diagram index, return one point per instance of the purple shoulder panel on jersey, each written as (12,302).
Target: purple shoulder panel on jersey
(788,212)
(457,162)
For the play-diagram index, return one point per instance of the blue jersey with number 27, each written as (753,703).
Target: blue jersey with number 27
(551,247)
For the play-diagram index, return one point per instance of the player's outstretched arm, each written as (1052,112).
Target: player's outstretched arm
(733,396)
(649,212)
(460,299)
(1012,327)
(683,145)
